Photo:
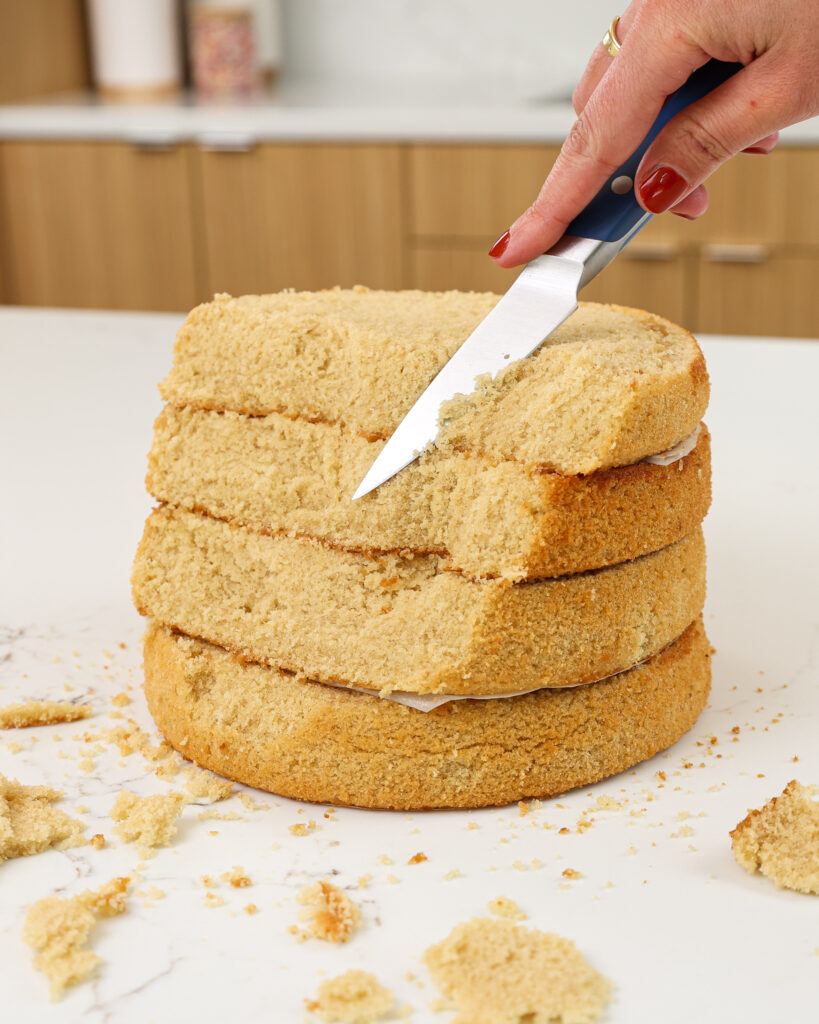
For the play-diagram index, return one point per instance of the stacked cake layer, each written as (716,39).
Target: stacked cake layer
(540,549)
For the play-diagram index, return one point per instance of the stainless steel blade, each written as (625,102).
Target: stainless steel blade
(542,297)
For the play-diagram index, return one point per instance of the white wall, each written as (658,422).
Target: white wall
(517,48)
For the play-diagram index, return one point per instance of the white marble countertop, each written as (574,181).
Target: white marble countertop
(683,932)
(313,111)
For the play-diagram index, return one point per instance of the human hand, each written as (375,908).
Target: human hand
(618,99)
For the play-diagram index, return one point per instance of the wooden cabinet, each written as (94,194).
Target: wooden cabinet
(659,279)
(99,224)
(748,266)
(777,295)
(113,225)
(301,216)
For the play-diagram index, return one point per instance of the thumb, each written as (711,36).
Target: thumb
(752,104)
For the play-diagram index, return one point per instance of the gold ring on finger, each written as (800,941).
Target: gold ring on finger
(611,44)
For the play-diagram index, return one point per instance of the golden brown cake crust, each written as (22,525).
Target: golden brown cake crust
(487,517)
(404,624)
(312,742)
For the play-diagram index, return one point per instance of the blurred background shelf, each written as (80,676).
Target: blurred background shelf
(392,181)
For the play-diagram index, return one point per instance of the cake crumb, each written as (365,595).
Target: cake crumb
(120,700)
(250,908)
(302,829)
(523,808)
(251,804)
(355,997)
(237,877)
(363,880)
(393,879)
(213,899)
(329,913)
(97,841)
(87,765)
(499,973)
(450,875)
(202,784)
(29,824)
(781,839)
(41,712)
(501,906)
(571,873)
(419,858)
(384,859)
(607,803)
(214,815)
(57,928)
(147,820)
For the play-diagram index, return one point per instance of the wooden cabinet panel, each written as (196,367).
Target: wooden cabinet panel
(473,191)
(476,192)
(42,48)
(440,269)
(778,297)
(657,284)
(99,224)
(305,216)
(767,199)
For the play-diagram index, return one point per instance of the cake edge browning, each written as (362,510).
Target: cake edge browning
(311,742)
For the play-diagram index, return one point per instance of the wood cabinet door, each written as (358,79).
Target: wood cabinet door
(464,191)
(302,216)
(441,268)
(99,224)
(776,296)
(658,280)
(763,199)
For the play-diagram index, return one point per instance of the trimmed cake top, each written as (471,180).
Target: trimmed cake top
(608,387)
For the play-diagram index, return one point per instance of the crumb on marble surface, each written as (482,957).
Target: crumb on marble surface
(501,973)
(355,997)
(502,906)
(781,839)
(302,828)
(204,785)
(41,712)
(236,877)
(328,913)
(418,858)
(29,824)
(57,928)
(147,820)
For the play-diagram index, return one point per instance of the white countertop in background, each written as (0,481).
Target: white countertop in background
(682,931)
(315,111)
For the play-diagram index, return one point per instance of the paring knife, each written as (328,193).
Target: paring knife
(543,295)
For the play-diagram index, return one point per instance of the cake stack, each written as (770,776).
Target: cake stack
(515,614)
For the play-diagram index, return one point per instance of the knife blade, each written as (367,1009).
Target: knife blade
(543,295)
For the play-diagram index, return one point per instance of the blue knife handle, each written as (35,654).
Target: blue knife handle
(614,211)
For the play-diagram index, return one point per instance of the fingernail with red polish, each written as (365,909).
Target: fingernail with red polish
(662,189)
(499,248)
(757,149)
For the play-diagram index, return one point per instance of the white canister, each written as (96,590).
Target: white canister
(135,47)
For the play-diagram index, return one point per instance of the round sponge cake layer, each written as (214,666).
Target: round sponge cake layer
(394,623)
(304,740)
